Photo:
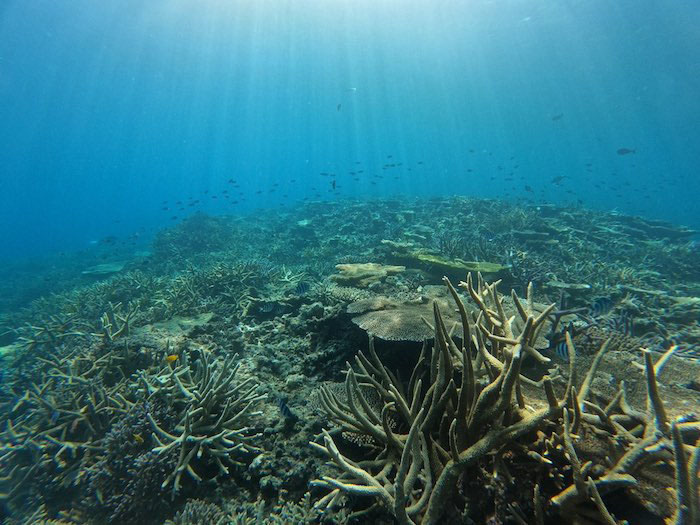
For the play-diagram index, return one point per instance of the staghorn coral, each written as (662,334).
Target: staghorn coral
(443,427)
(468,410)
(198,512)
(54,430)
(200,233)
(114,324)
(125,484)
(214,408)
(84,431)
(590,337)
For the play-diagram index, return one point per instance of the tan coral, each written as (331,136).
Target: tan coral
(467,409)
(364,274)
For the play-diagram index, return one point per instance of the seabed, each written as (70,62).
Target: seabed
(433,361)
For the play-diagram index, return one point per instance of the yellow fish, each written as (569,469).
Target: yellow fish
(138,438)
(171,358)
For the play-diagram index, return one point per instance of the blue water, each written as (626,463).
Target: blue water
(108,108)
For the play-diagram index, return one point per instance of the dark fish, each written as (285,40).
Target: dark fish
(110,240)
(687,418)
(287,413)
(337,108)
(626,151)
(527,188)
(559,345)
(623,324)
(562,350)
(557,180)
(558,116)
(601,306)
(301,288)
(271,308)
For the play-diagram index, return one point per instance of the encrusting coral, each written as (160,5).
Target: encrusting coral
(468,410)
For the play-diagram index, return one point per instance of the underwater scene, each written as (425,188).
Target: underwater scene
(273,262)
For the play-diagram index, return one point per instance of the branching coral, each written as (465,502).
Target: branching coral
(114,324)
(198,512)
(214,409)
(445,426)
(81,429)
(466,409)
(124,484)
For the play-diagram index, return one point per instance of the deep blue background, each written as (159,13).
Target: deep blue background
(109,107)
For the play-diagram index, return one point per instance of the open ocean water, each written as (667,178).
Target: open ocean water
(207,206)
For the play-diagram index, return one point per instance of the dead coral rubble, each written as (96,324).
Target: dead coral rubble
(468,410)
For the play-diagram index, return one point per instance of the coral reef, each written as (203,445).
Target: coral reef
(139,396)
(198,512)
(124,443)
(364,274)
(125,485)
(468,409)
(411,254)
(215,408)
(200,233)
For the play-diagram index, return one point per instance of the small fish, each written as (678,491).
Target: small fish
(626,151)
(301,288)
(269,307)
(529,188)
(560,347)
(687,418)
(557,180)
(286,411)
(138,438)
(558,116)
(562,350)
(171,358)
(601,306)
(337,108)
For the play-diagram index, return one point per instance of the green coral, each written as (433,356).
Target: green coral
(442,265)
